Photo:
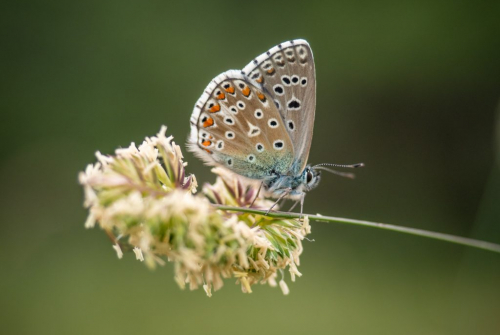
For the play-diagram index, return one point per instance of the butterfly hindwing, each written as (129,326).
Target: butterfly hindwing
(287,72)
(236,124)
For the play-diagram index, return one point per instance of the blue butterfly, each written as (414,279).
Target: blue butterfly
(258,122)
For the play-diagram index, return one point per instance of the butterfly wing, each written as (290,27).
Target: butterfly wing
(287,72)
(236,124)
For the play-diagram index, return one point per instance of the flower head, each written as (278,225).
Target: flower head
(145,202)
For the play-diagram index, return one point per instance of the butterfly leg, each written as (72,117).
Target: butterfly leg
(285,193)
(294,205)
(256,196)
(302,205)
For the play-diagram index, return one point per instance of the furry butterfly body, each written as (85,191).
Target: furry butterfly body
(258,122)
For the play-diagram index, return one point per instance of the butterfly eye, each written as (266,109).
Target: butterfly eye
(309,177)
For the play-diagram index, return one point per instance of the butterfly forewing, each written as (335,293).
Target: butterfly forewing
(236,124)
(287,72)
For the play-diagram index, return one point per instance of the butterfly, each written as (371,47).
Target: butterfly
(258,122)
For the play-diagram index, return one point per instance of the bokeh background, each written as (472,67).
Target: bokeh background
(411,89)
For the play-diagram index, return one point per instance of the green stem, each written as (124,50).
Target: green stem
(412,231)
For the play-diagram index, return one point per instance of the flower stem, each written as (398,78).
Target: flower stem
(412,231)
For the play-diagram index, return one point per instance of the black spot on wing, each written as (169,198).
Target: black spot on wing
(294,104)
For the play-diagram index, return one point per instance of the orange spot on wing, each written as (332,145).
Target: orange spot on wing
(221,96)
(261,97)
(215,109)
(206,143)
(271,70)
(259,80)
(246,91)
(208,123)
(229,90)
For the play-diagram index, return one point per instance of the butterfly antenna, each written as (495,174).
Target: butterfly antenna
(352,166)
(338,173)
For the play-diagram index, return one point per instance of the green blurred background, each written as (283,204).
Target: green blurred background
(411,89)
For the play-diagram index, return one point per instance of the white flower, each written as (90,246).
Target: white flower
(208,290)
(118,250)
(90,222)
(306,226)
(129,152)
(104,160)
(144,195)
(284,287)
(138,254)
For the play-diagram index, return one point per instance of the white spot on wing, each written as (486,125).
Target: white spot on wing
(241,105)
(293,104)
(258,114)
(278,144)
(286,80)
(229,120)
(253,131)
(273,123)
(278,89)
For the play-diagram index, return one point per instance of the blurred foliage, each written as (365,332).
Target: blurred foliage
(409,88)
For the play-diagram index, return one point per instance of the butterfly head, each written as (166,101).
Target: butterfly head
(310,178)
